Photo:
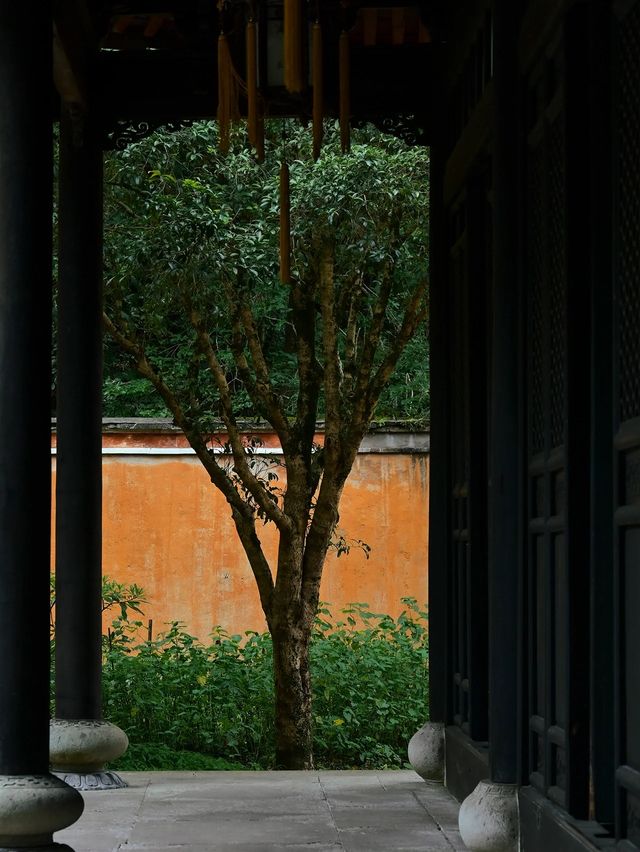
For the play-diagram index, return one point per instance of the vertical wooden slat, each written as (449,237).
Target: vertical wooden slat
(478,301)
(626,410)
(506,495)
(602,496)
(579,358)
(440,663)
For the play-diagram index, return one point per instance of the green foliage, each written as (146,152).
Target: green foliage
(181,218)
(127,395)
(214,699)
(370,683)
(119,596)
(153,757)
(122,598)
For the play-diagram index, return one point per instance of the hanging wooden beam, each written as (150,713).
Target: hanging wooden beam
(318,93)
(345,92)
(252,81)
(227,94)
(293,66)
(255,124)
(285,224)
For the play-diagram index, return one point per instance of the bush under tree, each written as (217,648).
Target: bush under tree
(191,705)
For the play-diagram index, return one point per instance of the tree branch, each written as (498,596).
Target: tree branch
(318,539)
(303,310)
(252,483)
(332,380)
(217,474)
(264,395)
(351,336)
(246,530)
(415,313)
(241,514)
(373,337)
(378,319)
(265,402)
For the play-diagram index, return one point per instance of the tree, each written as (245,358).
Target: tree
(194,299)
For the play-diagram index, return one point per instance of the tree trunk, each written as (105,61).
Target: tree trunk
(292,695)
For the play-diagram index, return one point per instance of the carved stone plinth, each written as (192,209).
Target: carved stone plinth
(489,820)
(426,751)
(79,749)
(32,808)
(92,780)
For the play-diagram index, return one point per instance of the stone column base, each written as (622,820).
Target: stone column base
(32,808)
(489,820)
(105,780)
(79,750)
(426,751)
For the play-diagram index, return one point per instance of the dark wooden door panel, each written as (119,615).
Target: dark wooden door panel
(468,358)
(626,240)
(549,588)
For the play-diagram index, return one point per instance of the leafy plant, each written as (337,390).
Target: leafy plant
(177,697)
(370,684)
(152,757)
(121,596)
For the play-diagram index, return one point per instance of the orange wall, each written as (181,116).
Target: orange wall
(167,528)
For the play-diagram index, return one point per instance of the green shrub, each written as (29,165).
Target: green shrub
(370,685)
(149,757)
(213,699)
(175,695)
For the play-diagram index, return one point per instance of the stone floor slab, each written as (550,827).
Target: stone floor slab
(382,817)
(219,829)
(379,840)
(352,811)
(253,806)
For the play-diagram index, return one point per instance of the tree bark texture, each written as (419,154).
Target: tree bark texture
(292,695)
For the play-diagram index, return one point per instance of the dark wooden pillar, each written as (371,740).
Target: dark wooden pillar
(81,743)
(25,368)
(439,501)
(33,804)
(79,424)
(504,474)
(427,746)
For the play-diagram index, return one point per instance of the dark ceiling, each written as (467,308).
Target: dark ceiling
(157,59)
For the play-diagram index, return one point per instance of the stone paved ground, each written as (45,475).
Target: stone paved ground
(269,811)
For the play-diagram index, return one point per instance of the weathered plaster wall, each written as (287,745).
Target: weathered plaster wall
(168,529)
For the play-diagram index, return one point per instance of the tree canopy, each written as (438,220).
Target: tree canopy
(180,216)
